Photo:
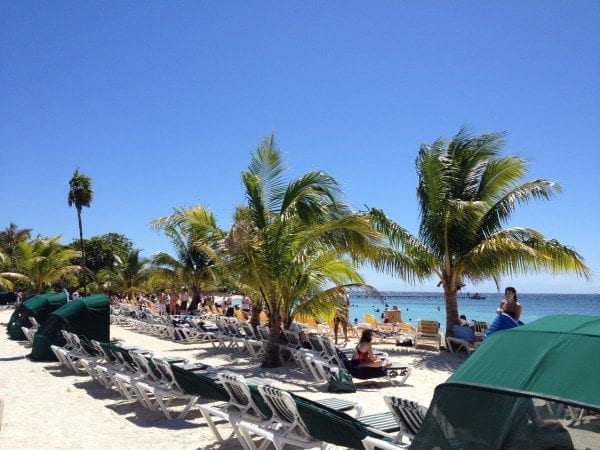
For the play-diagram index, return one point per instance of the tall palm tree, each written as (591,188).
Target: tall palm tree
(196,239)
(466,193)
(294,246)
(80,195)
(45,261)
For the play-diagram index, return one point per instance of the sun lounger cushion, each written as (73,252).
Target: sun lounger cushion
(338,428)
(194,383)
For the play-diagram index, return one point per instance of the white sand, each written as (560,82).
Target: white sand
(46,407)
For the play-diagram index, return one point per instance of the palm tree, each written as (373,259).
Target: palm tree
(467,193)
(45,261)
(196,239)
(128,276)
(293,246)
(10,237)
(80,195)
(6,278)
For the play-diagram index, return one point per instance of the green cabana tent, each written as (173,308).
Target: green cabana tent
(529,387)
(89,317)
(39,306)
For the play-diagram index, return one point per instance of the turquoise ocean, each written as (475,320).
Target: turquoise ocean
(415,306)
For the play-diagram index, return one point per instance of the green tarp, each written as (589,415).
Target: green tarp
(489,401)
(89,317)
(39,306)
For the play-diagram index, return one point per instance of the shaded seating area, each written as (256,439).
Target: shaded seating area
(39,307)
(89,317)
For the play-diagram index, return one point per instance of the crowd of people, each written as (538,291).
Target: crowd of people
(178,302)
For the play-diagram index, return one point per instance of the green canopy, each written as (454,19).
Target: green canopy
(39,306)
(89,317)
(493,400)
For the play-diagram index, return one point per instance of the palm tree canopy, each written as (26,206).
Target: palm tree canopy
(127,276)
(467,192)
(295,245)
(195,238)
(45,261)
(80,192)
(11,236)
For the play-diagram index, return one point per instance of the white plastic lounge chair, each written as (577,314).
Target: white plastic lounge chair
(409,414)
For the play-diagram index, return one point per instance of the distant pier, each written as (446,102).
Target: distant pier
(401,295)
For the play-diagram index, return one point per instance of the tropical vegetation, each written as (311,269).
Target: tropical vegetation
(295,245)
(467,192)
(45,261)
(197,241)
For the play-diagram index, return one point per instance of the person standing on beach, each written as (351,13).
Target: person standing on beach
(162,303)
(341,318)
(184,299)
(510,305)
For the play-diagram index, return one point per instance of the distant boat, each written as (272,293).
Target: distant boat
(476,296)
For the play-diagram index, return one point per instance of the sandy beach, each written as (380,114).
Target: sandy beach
(45,406)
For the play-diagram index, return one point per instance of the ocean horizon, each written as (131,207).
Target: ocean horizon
(415,306)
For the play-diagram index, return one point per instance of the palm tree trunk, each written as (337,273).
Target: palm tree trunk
(272,356)
(254,319)
(451,311)
(82,253)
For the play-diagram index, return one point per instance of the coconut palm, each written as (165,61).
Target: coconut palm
(293,247)
(196,239)
(466,193)
(127,276)
(10,237)
(80,195)
(7,277)
(45,261)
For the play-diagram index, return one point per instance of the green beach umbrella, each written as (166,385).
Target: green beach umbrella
(488,402)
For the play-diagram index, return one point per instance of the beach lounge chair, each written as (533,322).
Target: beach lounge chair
(294,348)
(463,337)
(428,331)
(241,405)
(382,330)
(170,383)
(305,423)
(409,414)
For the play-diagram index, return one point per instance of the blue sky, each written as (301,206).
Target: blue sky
(162,102)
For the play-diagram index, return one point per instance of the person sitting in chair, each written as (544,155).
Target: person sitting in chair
(363,353)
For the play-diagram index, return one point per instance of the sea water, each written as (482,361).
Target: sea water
(415,306)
